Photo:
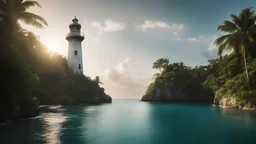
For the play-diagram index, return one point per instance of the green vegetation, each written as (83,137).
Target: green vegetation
(30,75)
(227,81)
(97,80)
(179,83)
(241,34)
(160,63)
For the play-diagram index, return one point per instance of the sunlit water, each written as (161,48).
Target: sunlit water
(134,122)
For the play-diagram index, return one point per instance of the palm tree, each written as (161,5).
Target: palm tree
(11,11)
(97,80)
(240,34)
(156,75)
(160,64)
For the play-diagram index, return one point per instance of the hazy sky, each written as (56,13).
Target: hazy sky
(124,37)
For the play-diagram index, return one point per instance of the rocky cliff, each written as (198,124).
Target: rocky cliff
(174,91)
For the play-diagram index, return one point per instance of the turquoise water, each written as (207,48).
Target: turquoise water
(134,122)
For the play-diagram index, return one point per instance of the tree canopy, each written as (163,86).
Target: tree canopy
(160,63)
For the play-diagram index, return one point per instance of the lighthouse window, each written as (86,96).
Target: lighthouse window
(75,52)
(79,66)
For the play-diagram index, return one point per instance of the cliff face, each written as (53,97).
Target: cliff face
(179,83)
(174,91)
(70,89)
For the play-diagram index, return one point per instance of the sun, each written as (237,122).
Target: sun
(52,45)
(54,42)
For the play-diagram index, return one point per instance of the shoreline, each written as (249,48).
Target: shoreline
(177,102)
(231,107)
(42,108)
(201,103)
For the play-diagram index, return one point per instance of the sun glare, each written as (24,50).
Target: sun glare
(53,42)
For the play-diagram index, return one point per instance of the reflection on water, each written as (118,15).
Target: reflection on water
(52,123)
(133,122)
(89,109)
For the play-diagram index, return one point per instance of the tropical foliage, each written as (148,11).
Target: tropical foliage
(11,11)
(241,34)
(160,64)
(30,75)
(180,83)
(229,80)
(97,80)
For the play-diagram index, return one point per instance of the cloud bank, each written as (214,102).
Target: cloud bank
(124,81)
(193,39)
(109,25)
(174,28)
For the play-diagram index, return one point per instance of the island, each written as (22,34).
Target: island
(227,81)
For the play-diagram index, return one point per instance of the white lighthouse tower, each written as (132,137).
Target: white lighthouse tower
(75,38)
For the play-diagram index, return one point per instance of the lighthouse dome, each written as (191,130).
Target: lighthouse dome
(75,24)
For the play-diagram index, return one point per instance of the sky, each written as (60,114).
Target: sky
(124,37)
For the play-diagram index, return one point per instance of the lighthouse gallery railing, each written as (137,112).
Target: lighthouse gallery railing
(75,34)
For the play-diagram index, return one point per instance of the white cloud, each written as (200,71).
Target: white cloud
(148,24)
(124,81)
(204,39)
(85,22)
(174,28)
(212,46)
(108,26)
(210,50)
(193,39)
(199,38)
(121,74)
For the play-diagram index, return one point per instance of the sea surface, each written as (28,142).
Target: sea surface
(134,122)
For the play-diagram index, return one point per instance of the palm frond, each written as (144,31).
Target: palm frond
(33,19)
(27,4)
(222,47)
(251,35)
(15,2)
(221,39)
(251,21)
(252,28)
(228,26)
(238,49)
(232,42)
(32,22)
(236,20)
(156,65)
(246,13)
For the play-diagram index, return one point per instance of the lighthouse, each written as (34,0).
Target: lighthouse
(75,38)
